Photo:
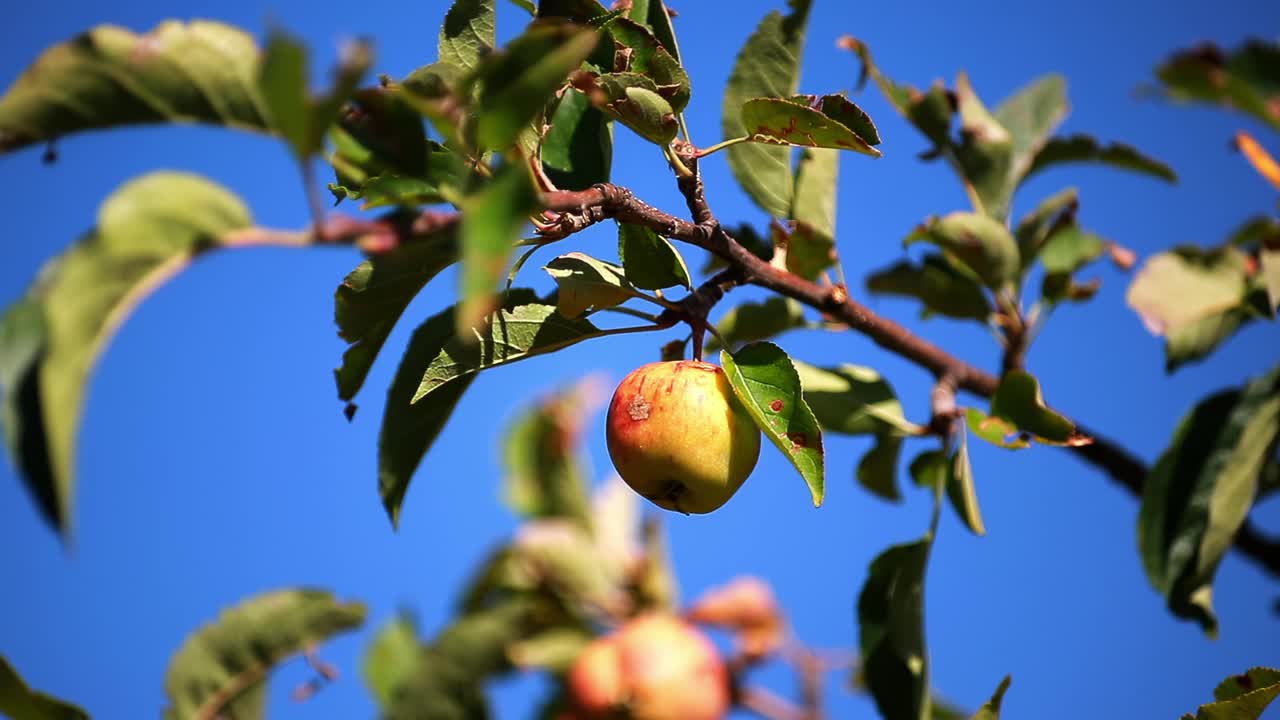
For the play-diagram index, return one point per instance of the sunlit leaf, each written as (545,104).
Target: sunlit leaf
(1030,115)
(979,242)
(943,289)
(767,66)
(1070,249)
(491,222)
(635,101)
(372,297)
(766,383)
(984,154)
(282,83)
(648,57)
(1241,697)
(814,202)
(801,121)
(1200,490)
(200,71)
(853,400)
(220,669)
(953,474)
(147,231)
(390,658)
(990,710)
(651,261)
(1052,214)
(20,702)
(1018,400)
(997,431)
(587,283)
(468,33)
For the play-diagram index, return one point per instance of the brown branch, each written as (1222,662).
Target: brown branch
(1121,466)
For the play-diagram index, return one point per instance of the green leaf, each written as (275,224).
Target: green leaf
(200,71)
(985,153)
(1242,697)
(659,20)
(997,431)
(516,82)
(147,231)
(1244,79)
(814,202)
(1200,489)
(651,261)
(1018,400)
(492,219)
(979,242)
(1031,114)
(648,57)
(1070,249)
(1269,267)
(954,474)
(930,112)
(635,101)
(768,386)
(587,283)
(390,658)
(577,151)
(853,400)
(282,82)
(439,365)
(382,135)
(372,297)
(877,471)
(1052,214)
(752,321)
(943,289)
(1085,148)
(801,121)
(222,667)
(990,710)
(468,33)
(767,66)
(895,661)
(809,251)
(543,475)
(1188,295)
(20,702)
(552,650)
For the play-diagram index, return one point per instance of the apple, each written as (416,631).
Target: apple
(747,607)
(679,437)
(656,667)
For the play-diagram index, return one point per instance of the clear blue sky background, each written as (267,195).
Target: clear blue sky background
(215,463)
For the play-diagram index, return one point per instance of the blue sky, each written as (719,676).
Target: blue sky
(215,463)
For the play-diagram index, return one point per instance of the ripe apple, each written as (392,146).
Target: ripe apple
(656,667)
(679,437)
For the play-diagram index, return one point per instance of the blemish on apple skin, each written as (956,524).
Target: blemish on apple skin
(798,440)
(638,409)
(776,406)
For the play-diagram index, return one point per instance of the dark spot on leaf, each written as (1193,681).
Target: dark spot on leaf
(776,406)
(639,408)
(798,440)
(1244,681)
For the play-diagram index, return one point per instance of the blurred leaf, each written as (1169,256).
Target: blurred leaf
(518,80)
(147,231)
(1053,213)
(561,555)
(814,201)
(635,101)
(895,662)
(651,261)
(1190,295)
(19,702)
(1085,148)
(767,66)
(221,668)
(199,71)
(997,431)
(543,475)
(1018,400)
(978,242)
(438,366)
(878,469)
(1070,249)
(379,134)
(930,112)
(282,82)
(390,658)
(1031,114)
(809,251)
(853,400)
(942,288)
(752,321)
(655,585)
(577,151)
(985,153)
(552,650)
(1246,79)
(766,383)
(1242,697)
(491,222)
(800,120)
(1261,231)
(468,33)
(372,297)
(990,710)
(1269,265)
(587,283)
(659,20)
(953,474)
(1200,490)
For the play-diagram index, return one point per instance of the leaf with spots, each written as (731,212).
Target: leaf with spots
(1246,79)
(1241,697)
(22,703)
(766,383)
(221,669)
(809,121)
(767,66)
